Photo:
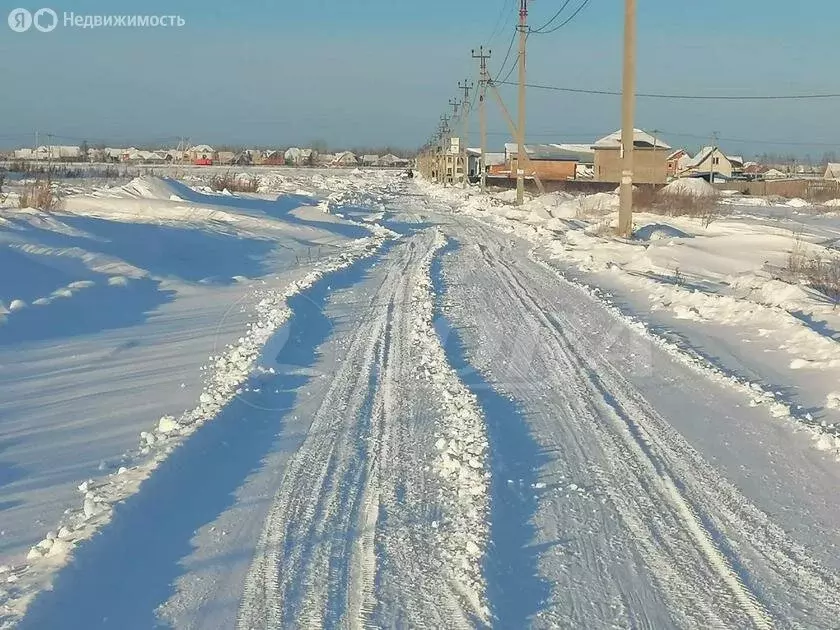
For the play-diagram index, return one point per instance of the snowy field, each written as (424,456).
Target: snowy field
(354,400)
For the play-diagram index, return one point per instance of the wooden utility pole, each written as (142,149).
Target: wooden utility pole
(523,36)
(484,79)
(467,87)
(628,100)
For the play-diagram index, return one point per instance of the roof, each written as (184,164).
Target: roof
(546,152)
(677,154)
(832,171)
(704,155)
(641,139)
(735,159)
(202,148)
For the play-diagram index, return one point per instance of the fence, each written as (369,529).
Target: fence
(810,189)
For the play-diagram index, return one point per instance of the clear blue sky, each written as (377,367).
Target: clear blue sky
(370,72)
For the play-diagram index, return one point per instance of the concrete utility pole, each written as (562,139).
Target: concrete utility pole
(715,136)
(450,158)
(523,36)
(465,123)
(628,100)
(484,79)
(445,142)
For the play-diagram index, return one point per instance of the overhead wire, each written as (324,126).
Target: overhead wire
(507,56)
(556,15)
(685,97)
(565,22)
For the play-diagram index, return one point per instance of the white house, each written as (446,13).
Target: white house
(832,171)
(345,158)
(201,152)
(298,156)
(392,160)
(709,160)
(370,160)
(51,152)
(774,173)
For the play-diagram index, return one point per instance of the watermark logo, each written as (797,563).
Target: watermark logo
(20,20)
(46,20)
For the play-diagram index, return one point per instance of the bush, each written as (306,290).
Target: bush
(230,182)
(39,194)
(678,205)
(820,272)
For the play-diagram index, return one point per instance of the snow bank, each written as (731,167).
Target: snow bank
(832,203)
(599,203)
(462,451)
(728,258)
(798,203)
(692,186)
(226,374)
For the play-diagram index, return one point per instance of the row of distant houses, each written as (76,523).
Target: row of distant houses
(654,162)
(205,155)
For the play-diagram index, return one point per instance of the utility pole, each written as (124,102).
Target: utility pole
(445,142)
(523,36)
(465,115)
(450,157)
(49,155)
(715,136)
(628,101)
(482,112)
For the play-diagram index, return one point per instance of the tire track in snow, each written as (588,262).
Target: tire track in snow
(326,558)
(604,384)
(692,488)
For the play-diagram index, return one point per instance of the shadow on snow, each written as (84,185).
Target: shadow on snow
(279,208)
(515,590)
(122,575)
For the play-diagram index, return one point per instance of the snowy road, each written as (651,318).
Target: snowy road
(457,437)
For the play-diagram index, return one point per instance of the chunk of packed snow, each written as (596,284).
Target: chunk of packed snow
(692,186)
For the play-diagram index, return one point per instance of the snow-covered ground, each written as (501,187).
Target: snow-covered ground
(354,400)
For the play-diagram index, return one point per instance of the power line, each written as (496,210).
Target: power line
(510,72)
(554,17)
(507,56)
(497,29)
(544,30)
(683,97)
(565,22)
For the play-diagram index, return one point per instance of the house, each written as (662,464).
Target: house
(737,163)
(51,152)
(549,162)
(325,159)
(774,173)
(491,160)
(225,157)
(275,158)
(247,157)
(754,170)
(675,161)
(137,156)
(710,164)
(300,157)
(370,160)
(345,158)
(832,171)
(650,157)
(392,161)
(201,155)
